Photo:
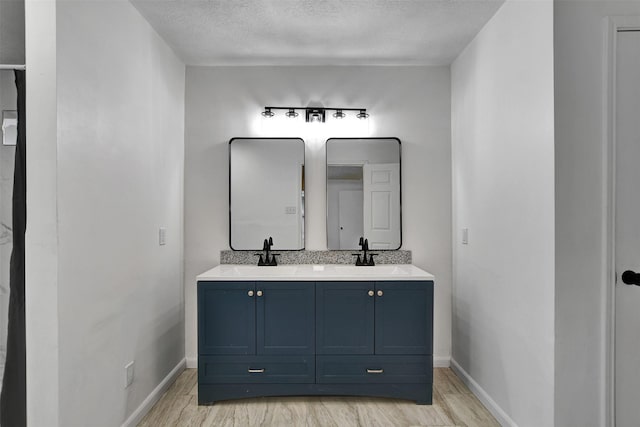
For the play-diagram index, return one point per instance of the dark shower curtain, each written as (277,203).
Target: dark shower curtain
(13,398)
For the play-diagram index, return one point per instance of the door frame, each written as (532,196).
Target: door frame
(613,25)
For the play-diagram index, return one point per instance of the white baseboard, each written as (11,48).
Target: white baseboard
(192,362)
(499,414)
(441,361)
(154,396)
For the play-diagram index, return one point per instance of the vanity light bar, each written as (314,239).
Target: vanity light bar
(313,114)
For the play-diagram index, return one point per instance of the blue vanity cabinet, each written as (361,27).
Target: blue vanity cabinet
(377,334)
(404,322)
(253,334)
(285,338)
(374,317)
(285,318)
(226,318)
(245,318)
(345,317)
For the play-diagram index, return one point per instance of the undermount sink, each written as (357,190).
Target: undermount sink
(389,269)
(352,270)
(254,270)
(317,272)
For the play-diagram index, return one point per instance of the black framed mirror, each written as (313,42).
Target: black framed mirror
(364,194)
(266,193)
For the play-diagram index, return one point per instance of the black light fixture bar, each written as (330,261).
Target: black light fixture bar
(313,114)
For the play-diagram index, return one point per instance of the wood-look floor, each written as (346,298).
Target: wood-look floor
(453,405)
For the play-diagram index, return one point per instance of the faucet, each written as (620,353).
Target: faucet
(364,244)
(266,261)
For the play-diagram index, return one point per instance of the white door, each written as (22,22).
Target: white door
(350,218)
(381,186)
(627,234)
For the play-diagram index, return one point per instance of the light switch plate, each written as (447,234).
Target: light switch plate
(162,236)
(128,369)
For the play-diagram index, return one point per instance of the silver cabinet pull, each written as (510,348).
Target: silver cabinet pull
(380,293)
(250,293)
(259,293)
(375,371)
(255,371)
(370,293)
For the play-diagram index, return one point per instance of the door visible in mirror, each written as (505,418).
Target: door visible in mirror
(363,193)
(266,193)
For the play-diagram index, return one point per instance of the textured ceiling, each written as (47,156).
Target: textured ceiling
(320,32)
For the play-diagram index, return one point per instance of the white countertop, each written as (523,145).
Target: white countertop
(234,272)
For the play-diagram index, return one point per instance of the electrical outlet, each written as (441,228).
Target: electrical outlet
(465,236)
(162,236)
(290,210)
(128,369)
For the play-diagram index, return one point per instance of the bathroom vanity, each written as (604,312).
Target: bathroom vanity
(315,330)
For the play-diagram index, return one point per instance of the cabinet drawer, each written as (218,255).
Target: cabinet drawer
(374,369)
(256,369)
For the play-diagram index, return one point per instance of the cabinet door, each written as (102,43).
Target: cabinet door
(404,319)
(226,318)
(285,317)
(344,317)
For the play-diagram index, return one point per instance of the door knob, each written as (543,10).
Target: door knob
(631,278)
(250,293)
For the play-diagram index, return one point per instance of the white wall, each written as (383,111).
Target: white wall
(41,238)
(412,103)
(119,176)
(503,192)
(579,43)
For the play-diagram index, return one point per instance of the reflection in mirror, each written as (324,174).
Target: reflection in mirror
(266,193)
(363,193)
